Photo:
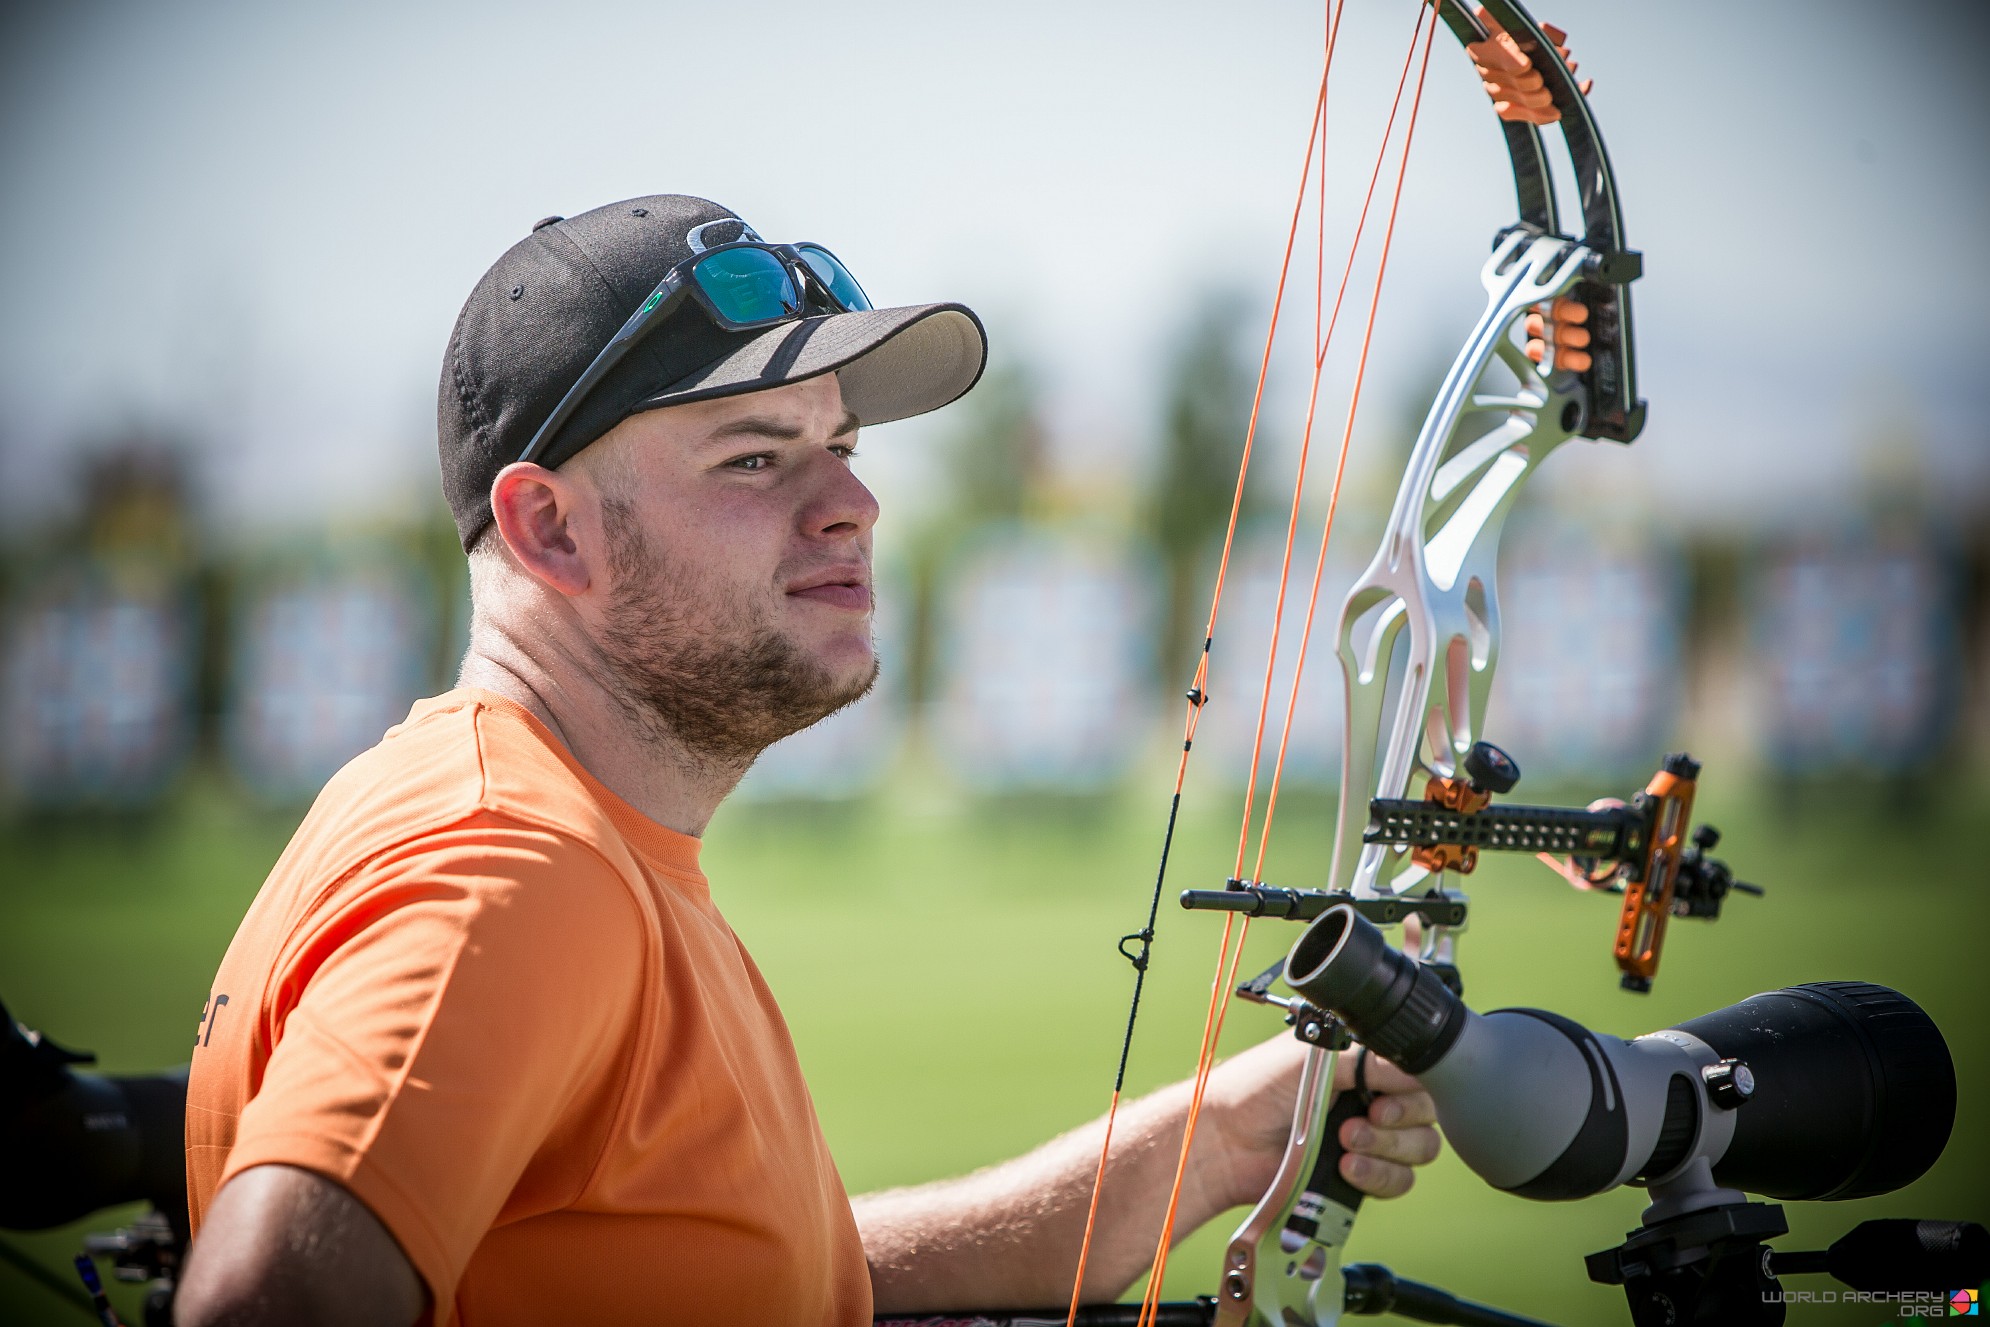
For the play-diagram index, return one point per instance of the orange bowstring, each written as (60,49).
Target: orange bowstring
(1198,688)
(1227,962)
(1354,404)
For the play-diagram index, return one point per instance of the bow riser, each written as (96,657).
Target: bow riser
(1434,576)
(1263,1280)
(1419,706)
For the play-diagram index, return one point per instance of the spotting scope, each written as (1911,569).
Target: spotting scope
(1839,1089)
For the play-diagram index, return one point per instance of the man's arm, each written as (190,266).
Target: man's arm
(1008,1236)
(285,1246)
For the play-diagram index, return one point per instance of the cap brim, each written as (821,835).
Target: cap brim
(890,363)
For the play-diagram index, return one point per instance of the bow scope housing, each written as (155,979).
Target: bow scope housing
(1827,1090)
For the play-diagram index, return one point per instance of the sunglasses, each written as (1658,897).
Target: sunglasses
(741,285)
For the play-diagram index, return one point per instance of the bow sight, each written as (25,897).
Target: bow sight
(1637,848)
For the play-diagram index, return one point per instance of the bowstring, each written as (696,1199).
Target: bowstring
(1354,405)
(1228,962)
(1198,693)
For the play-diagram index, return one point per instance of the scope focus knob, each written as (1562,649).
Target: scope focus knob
(1729,1083)
(1490,769)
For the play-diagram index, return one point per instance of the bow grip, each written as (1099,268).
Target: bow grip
(1326,1184)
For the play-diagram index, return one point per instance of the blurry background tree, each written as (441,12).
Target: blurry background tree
(993,467)
(995,458)
(1206,406)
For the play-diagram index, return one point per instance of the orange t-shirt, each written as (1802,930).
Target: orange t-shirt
(497,1005)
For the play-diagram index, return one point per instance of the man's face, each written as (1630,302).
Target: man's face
(738,608)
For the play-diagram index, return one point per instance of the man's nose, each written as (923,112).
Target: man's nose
(840,506)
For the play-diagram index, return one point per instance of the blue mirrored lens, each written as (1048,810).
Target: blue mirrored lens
(747,285)
(836,277)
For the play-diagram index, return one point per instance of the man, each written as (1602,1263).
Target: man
(484,1048)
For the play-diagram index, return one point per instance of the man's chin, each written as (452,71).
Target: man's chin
(847,660)
(852,682)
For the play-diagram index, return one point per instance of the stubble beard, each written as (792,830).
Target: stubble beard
(714,679)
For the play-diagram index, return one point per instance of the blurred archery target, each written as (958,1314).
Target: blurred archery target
(1237,666)
(324,663)
(1044,681)
(1592,632)
(1857,653)
(98,707)
(848,753)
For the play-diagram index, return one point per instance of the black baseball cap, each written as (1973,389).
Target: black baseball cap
(546,308)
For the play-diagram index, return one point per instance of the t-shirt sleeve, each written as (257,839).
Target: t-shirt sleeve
(436,1022)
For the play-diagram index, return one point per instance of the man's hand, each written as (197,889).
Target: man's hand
(1009,1234)
(1252,1096)
(283,1245)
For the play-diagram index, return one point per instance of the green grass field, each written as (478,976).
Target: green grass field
(950,974)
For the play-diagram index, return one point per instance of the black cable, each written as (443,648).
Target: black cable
(1146,934)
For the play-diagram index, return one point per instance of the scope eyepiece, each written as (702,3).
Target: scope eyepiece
(1399,1008)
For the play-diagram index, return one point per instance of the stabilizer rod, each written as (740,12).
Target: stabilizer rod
(1373,1289)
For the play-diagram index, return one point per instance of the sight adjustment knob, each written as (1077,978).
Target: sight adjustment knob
(1490,769)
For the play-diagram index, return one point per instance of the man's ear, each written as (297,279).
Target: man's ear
(534,509)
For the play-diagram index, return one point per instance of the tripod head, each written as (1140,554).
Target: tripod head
(1713,1264)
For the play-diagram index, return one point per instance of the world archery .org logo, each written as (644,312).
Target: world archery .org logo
(1962,1304)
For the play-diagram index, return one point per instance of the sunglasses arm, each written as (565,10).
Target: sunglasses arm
(666,299)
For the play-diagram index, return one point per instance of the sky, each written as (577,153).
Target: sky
(250,226)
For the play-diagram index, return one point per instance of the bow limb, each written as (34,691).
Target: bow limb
(1614,409)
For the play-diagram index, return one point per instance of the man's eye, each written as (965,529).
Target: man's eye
(847,451)
(758,461)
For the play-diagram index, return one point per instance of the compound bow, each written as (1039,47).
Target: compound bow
(1419,638)
(1551,358)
